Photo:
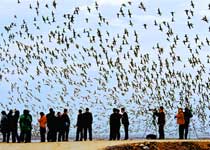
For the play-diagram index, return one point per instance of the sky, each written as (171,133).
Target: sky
(93,85)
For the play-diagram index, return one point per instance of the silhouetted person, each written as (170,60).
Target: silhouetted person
(125,122)
(10,124)
(29,139)
(114,122)
(80,123)
(88,120)
(51,124)
(42,125)
(14,126)
(118,124)
(180,122)
(187,116)
(25,126)
(59,127)
(4,125)
(161,121)
(66,125)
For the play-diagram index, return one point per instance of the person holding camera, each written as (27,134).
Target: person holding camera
(180,122)
(161,121)
(187,116)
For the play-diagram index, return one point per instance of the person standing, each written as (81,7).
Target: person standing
(25,127)
(10,124)
(187,116)
(113,121)
(88,120)
(59,127)
(118,124)
(180,122)
(125,122)
(79,126)
(4,125)
(30,124)
(161,121)
(66,123)
(15,119)
(51,124)
(42,125)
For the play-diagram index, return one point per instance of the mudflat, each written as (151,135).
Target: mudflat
(112,145)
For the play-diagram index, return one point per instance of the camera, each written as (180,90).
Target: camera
(153,110)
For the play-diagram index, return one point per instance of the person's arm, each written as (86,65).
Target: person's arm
(91,118)
(77,121)
(68,120)
(191,115)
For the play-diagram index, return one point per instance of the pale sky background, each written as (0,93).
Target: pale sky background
(93,95)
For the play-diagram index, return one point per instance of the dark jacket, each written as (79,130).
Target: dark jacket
(161,117)
(115,120)
(59,123)
(66,120)
(4,123)
(125,120)
(14,121)
(51,121)
(187,116)
(10,121)
(80,122)
(88,119)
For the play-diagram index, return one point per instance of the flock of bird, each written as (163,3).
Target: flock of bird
(81,58)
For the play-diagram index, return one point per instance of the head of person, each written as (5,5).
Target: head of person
(3,112)
(122,110)
(118,111)
(65,111)
(51,110)
(186,109)
(87,109)
(180,110)
(58,114)
(10,112)
(80,111)
(114,110)
(17,112)
(41,114)
(161,109)
(25,112)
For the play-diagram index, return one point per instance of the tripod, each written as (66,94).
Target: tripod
(193,125)
(150,125)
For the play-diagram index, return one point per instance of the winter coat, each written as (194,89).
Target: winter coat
(4,123)
(43,121)
(161,117)
(115,120)
(180,118)
(187,116)
(125,120)
(25,122)
(80,121)
(88,119)
(51,121)
(66,120)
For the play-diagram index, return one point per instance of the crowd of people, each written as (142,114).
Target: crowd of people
(56,125)
(116,118)
(183,120)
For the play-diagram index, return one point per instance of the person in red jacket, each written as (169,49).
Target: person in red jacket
(180,122)
(42,125)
